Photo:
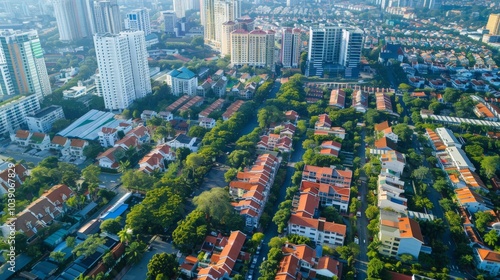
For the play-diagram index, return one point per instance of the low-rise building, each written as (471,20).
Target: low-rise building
(182,81)
(384,130)
(155,160)
(319,230)
(184,141)
(39,141)
(327,175)
(393,160)
(148,114)
(472,201)
(487,260)
(77,147)
(21,138)
(108,136)
(207,123)
(337,98)
(329,195)
(16,175)
(360,101)
(60,143)
(399,235)
(390,192)
(42,120)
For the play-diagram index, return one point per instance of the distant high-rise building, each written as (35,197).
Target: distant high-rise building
(22,65)
(290,3)
(255,48)
(138,19)
(332,46)
(213,14)
(107,17)
(123,68)
(350,51)
(228,27)
(169,21)
(493,24)
(74,19)
(180,7)
(290,48)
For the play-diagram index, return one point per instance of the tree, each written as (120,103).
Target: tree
(423,202)
(112,226)
(108,260)
(268,115)
(483,219)
(451,95)
(421,173)
(57,256)
(137,180)
(404,87)
(124,165)
(403,132)
(70,241)
(163,263)
(257,237)
(215,203)
(490,165)
(92,150)
(281,218)
(89,246)
(491,238)
(372,212)
(194,161)
(91,174)
(125,235)
(190,231)
(276,242)
(230,174)
(331,214)
(197,131)
(375,267)
(135,251)
(60,124)
(239,158)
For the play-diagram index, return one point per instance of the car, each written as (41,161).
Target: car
(252,266)
(254,260)
(364,241)
(264,259)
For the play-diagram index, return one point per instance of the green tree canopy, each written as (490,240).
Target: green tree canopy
(165,264)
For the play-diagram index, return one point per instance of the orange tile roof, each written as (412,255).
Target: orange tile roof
(329,264)
(308,204)
(59,140)
(381,126)
(384,143)
(317,224)
(77,143)
(410,228)
(22,134)
(488,255)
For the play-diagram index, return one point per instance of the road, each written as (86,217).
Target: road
(272,230)
(362,223)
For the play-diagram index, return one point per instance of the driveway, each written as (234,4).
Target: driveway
(140,270)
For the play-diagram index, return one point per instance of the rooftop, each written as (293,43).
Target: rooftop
(45,111)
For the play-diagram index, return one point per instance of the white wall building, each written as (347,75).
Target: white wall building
(254,48)
(42,120)
(290,48)
(14,112)
(182,81)
(169,21)
(138,19)
(107,17)
(73,19)
(399,235)
(123,68)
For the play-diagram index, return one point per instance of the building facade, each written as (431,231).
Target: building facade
(107,17)
(290,48)
(13,112)
(182,81)
(138,19)
(123,68)
(493,24)
(74,19)
(42,120)
(169,21)
(22,64)
(254,48)
(213,14)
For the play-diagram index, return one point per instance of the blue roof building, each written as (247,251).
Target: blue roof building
(182,81)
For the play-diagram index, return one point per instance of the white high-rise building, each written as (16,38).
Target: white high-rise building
(180,7)
(333,46)
(22,65)
(138,19)
(213,14)
(169,21)
(13,112)
(290,48)
(107,17)
(255,48)
(228,27)
(74,19)
(123,68)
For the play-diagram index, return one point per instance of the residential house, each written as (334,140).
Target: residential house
(327,175)
(460,84)
(21,137)
(233,108)
(399,235)
(330,148)
(222,267)
(77,147)
(337,98)
(329,195)
(383,102)
(41,212)
(10,176)
(108,136)
(323,123)
(166,115)
(479,85)
(204,88)
(146,115)
(393,160)
(275,141)
(447,137)
(182,81)
(390,192)
(416,81)
(155,160)
(472,201)
(487,260)
(385,144)
(219,87)
(318,230)
(142,134)
(184,141)
(39,141)
(292,116)
(459,159)
(390,52)
(207,123)
(177,103)
(59,143)
(249,91)
(360,101)
(383,129)
(107,158)
(252,186)
(217,105)
(482,111)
